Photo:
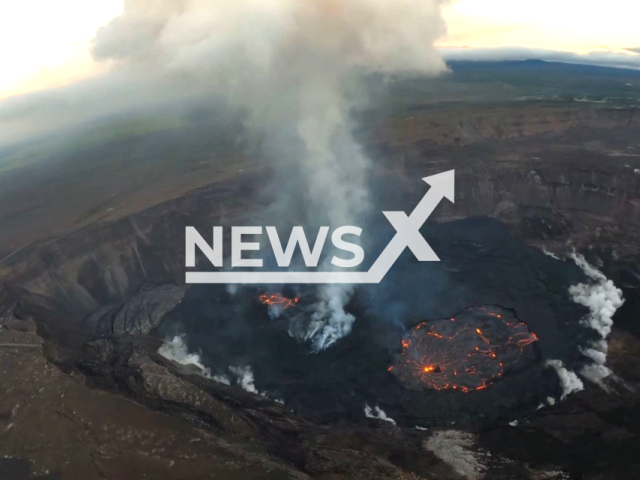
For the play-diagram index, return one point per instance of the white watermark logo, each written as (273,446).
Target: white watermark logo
(407,235)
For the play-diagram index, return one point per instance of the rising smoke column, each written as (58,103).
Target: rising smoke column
(287,64)
(568,379)
(176,349)
(602,298)
(377,413)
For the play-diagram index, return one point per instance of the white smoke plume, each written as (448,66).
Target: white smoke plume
(596,373)
(330,322)
(603,299)
(222,379)
(176,350)
(550,401)
(568,379)
(377,413)
(550,254)
(244,378)
(288,65)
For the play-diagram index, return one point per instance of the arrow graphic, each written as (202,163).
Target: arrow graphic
(407,235)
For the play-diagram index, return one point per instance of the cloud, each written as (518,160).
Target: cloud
(248,52)
(171,51)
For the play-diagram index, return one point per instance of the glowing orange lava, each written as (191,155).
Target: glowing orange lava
(283,302)
(465,353)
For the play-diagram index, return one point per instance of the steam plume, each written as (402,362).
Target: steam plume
(245,378)
(377,413)
(603,299)
(176,350)
(288,65)
(330,322)
(568,379)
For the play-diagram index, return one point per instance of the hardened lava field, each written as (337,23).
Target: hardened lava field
(464,353)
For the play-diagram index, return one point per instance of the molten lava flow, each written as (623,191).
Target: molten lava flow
(468,352)
(282,302)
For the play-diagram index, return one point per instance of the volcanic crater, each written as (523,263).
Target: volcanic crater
(510,307)
(105,288)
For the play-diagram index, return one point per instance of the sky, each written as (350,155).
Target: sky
(45,42)
(578,26)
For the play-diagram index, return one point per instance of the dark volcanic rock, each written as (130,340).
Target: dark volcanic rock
(139,314)
(53,426)
(129,365)
(482,264)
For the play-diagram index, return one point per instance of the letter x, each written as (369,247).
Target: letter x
(409,231)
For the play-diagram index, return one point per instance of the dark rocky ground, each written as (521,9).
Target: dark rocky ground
(116,409)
